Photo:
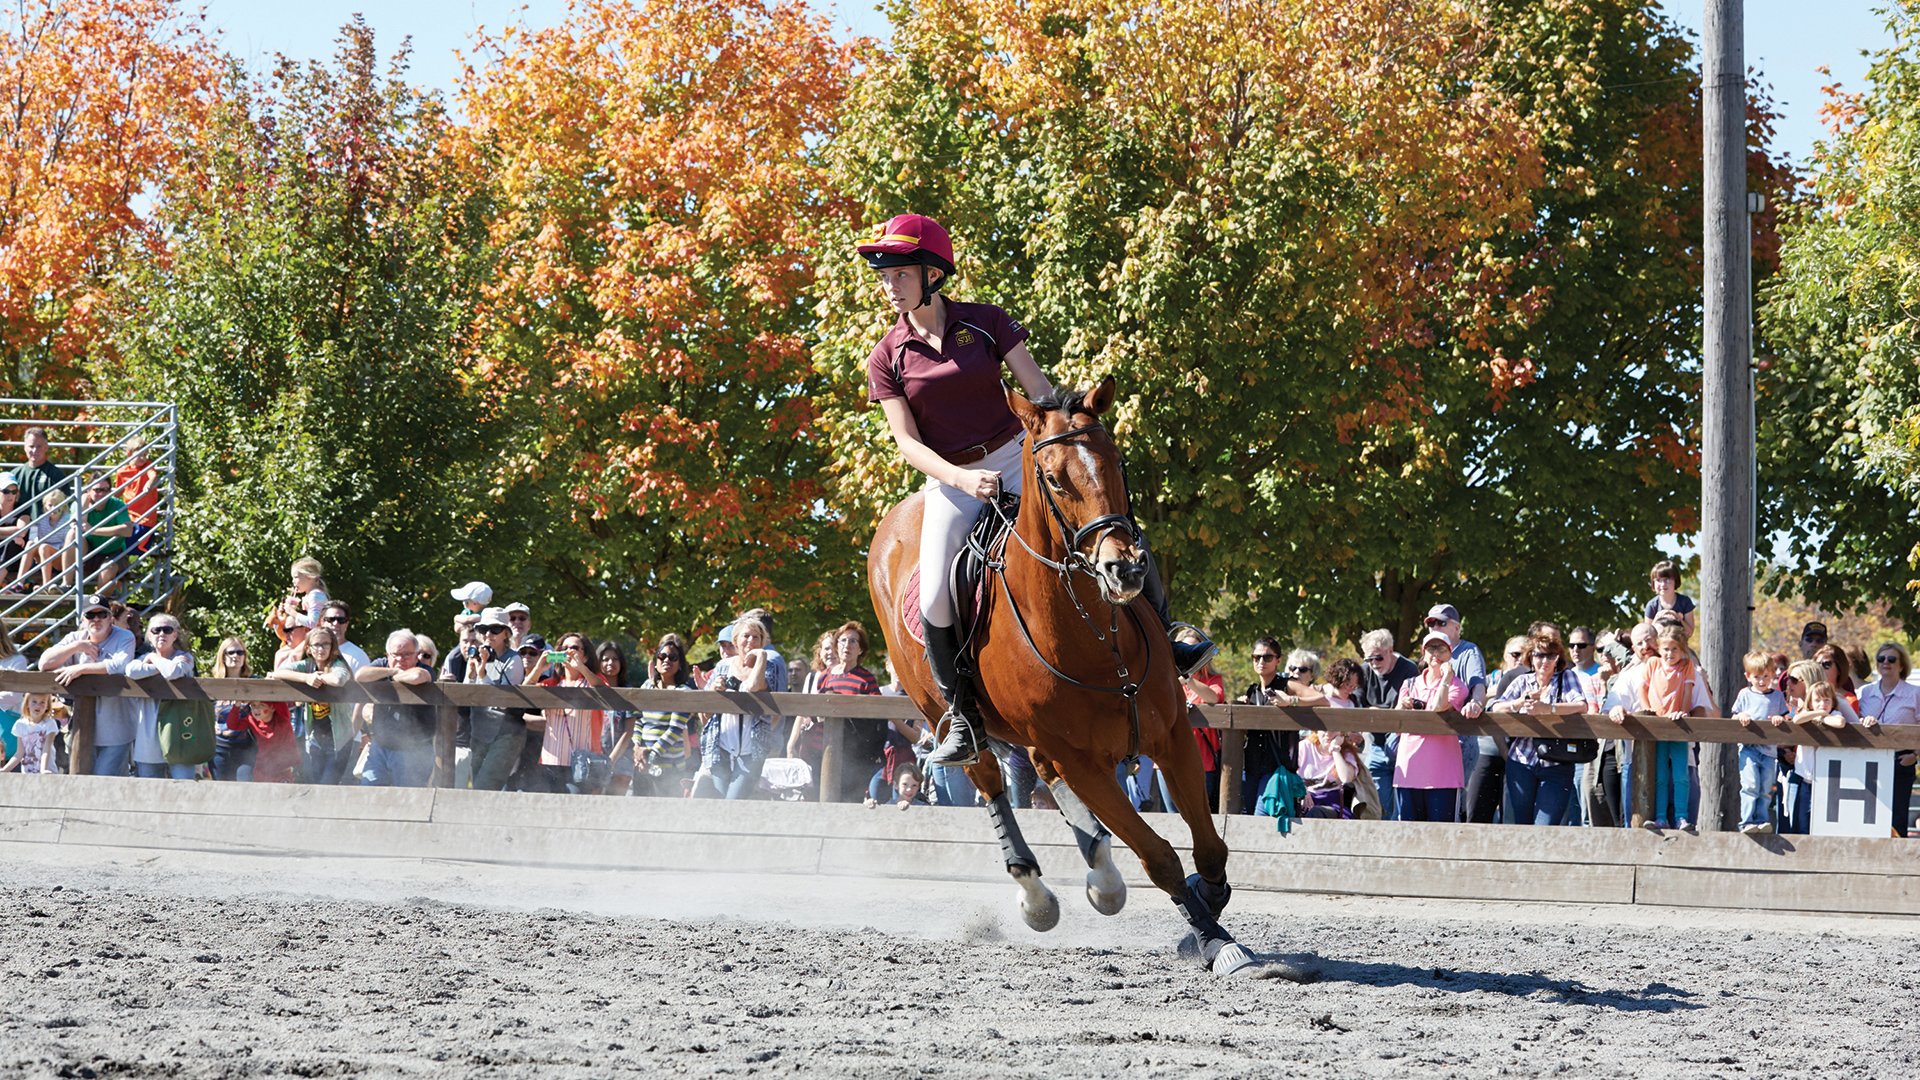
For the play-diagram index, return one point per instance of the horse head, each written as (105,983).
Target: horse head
(1075,466)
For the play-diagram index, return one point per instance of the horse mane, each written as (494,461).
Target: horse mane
(1065,402)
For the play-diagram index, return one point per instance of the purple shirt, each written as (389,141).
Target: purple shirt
(955,394)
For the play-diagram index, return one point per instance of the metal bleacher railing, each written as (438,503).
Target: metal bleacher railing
(133,445)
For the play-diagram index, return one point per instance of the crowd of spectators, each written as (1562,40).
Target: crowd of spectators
(48,542)
(1649,668)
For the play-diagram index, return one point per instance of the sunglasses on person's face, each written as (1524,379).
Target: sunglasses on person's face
(163,629)
(1376,659)
(98,616)
(1887,661)
(1544,656)
(1581,644)
(1264,658)
(237,652)
(335,619)
(517,617)
(1818,639)
(666,656)
(1785,679)
(493,629)
(1299,669)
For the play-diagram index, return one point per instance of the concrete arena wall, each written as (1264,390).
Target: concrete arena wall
(1478,862)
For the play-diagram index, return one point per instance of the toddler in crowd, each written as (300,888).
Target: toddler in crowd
(1759,763)
(1665,578)
(1823,707)
(34,735)
(906,788)
(277,750)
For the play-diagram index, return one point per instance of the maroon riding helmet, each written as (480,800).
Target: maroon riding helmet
(912,240)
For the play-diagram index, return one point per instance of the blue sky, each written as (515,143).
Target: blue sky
(1787,40)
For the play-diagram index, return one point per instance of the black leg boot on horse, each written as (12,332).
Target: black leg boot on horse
(960,745)
(1187,655)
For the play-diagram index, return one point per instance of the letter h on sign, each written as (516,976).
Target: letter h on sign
(1867,795)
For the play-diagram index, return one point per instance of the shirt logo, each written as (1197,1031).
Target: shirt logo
(964,337)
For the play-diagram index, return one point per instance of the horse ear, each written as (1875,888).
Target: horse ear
(1102,397)
(1030,415)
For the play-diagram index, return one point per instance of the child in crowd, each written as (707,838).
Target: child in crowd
(277,750)
(906,788)
(1759,763)
(1665,578)
(1674,690)
(50,539)
(1822,707)
(1429,770)
(34,735)
(1329,764)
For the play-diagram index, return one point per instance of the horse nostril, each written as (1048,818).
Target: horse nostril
(1130,575)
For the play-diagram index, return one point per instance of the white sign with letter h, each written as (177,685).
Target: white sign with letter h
(1852,792)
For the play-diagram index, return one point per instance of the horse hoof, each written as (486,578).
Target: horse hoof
(1238,962)
(1106,889)
(1041,912)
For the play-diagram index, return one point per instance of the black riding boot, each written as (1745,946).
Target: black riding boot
(961,746)
(1187,656)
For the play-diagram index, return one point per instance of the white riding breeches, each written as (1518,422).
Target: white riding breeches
(948,516)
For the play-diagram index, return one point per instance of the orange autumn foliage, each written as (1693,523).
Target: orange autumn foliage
(94,95)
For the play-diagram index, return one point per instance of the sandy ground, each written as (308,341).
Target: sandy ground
(134,963)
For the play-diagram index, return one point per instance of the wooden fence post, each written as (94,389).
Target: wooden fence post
(1644,753)
(80,746)
(1233,759)
(834,733)
(446,723)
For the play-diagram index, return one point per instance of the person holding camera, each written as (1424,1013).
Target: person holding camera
(498,734)
(660,736)
(1539,789)
(733,746)
(1428,770)
(570,745)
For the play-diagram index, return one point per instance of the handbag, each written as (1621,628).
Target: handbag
(186,731)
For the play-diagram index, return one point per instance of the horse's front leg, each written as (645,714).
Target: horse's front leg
(1179,760)
(1039,908)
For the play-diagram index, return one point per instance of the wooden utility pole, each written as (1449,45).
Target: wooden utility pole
(1726,451)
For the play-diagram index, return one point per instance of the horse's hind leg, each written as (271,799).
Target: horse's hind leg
(1038,906)
(1106,889)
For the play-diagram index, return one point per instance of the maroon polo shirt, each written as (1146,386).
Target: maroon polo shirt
(955,394)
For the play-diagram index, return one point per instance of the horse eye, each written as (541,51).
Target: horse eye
(1053,481)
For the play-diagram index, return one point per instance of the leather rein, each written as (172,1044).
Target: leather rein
(1078,562)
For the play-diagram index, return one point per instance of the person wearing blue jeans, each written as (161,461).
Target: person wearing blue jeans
(99,648)
(1759,703)
(733,746)
(1382,672)
(402,735)
(1537,790)
(167,660)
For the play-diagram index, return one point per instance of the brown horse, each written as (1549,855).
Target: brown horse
(1073,663)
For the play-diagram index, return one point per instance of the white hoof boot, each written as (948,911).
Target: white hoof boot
(1038,906)
(1106,889)
(1233,959)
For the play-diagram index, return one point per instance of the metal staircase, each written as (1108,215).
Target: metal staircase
(125,449)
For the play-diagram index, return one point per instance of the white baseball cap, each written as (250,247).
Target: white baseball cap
(474,592)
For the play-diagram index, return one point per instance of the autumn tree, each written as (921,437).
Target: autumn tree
(310,323)
(659,214)
(1401,300)
(95,96)
(1839,398)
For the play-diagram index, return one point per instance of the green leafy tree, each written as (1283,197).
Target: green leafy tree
(1839,399)
(1400,315)
(309,322)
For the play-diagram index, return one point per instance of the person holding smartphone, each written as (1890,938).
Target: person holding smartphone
(570,730)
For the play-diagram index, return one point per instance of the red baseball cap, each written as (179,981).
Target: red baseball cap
(910,240)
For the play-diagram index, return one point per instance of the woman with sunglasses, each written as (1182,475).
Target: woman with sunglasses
(1838,671)
(232,744)
(1891,699)
(1539,791)
(14,519)
(659,752)
(330,745)
(169,660)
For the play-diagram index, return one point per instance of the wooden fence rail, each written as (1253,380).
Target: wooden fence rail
(1233,720)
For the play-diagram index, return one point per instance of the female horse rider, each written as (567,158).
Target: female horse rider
(936,375)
